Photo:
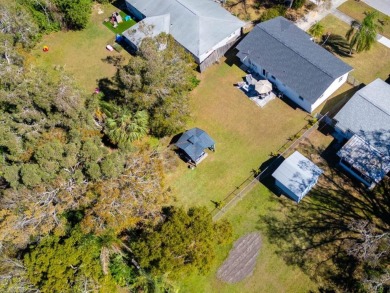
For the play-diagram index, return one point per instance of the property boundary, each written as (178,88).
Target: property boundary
(236,195)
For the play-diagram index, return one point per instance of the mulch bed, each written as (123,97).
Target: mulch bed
(242,259)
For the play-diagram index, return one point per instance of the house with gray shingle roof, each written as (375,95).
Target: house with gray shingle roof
(365,122)
(203,27)
(302,70)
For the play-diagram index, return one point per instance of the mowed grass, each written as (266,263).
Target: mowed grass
(271,273)
(356,10)
(245,135)
(81,53)
(369,65)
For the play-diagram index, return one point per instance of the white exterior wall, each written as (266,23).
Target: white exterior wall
(291,94)
(287,191)
(337,83)
(222,43)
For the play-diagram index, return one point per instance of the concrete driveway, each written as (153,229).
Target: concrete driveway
(381,5)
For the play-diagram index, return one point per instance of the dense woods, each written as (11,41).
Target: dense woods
(78,178)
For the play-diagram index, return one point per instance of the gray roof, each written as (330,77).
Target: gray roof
(148,27)
(193,142)
(367,114)
(297,173)
(198,25)
(365,158)
(288,53)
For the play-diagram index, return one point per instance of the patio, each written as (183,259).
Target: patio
(257,90)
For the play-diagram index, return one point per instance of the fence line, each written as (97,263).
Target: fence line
(218,212)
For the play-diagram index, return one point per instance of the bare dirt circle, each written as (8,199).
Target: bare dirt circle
(242,259)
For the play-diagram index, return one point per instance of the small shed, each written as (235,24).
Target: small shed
(296,176)
(193,143)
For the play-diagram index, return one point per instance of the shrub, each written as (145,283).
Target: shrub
(271,13)
(298,4)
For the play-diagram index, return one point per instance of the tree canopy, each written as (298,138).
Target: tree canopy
(183,243)
(158,81)
(363,35)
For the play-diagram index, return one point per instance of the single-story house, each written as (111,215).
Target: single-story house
(193,143)
(365,122)
(287,56)
(296,176)
(203,27)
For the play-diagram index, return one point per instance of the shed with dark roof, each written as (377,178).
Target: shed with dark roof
(286,55)
(193,143)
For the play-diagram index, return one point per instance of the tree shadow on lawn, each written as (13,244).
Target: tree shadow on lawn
(314,234)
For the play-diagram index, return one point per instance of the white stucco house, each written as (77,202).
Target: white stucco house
(203,27)
(364,122)
(284,54)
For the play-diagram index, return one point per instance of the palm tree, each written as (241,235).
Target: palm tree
(362,36)
(127,128)
(122,127)
(316,30)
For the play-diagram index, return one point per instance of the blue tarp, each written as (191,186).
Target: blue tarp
(193,142)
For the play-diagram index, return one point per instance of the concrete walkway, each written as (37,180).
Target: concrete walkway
(313,16)
(343,17)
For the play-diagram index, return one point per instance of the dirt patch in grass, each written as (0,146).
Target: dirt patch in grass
(242,259)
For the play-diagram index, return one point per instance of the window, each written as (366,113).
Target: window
(300,98)
(264,72)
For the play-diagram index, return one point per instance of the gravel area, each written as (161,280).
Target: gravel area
(242,259)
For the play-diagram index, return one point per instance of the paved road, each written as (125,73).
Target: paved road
(381,5)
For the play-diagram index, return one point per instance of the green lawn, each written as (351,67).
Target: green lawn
(81,53)
(367,65)
(121,26)
(356,9)
(245,135)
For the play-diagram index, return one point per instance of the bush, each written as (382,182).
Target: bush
(271,13)
(76,12)
(298,4)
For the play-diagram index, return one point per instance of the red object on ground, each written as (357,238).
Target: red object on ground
(45,48)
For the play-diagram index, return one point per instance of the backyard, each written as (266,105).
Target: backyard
(245,135)
(367,65)
(81,53)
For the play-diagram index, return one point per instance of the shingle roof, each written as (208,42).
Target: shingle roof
(367,114)
(365,158)
(297,173)
(287,52)
(198,25)
(158,24)
(193,142)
